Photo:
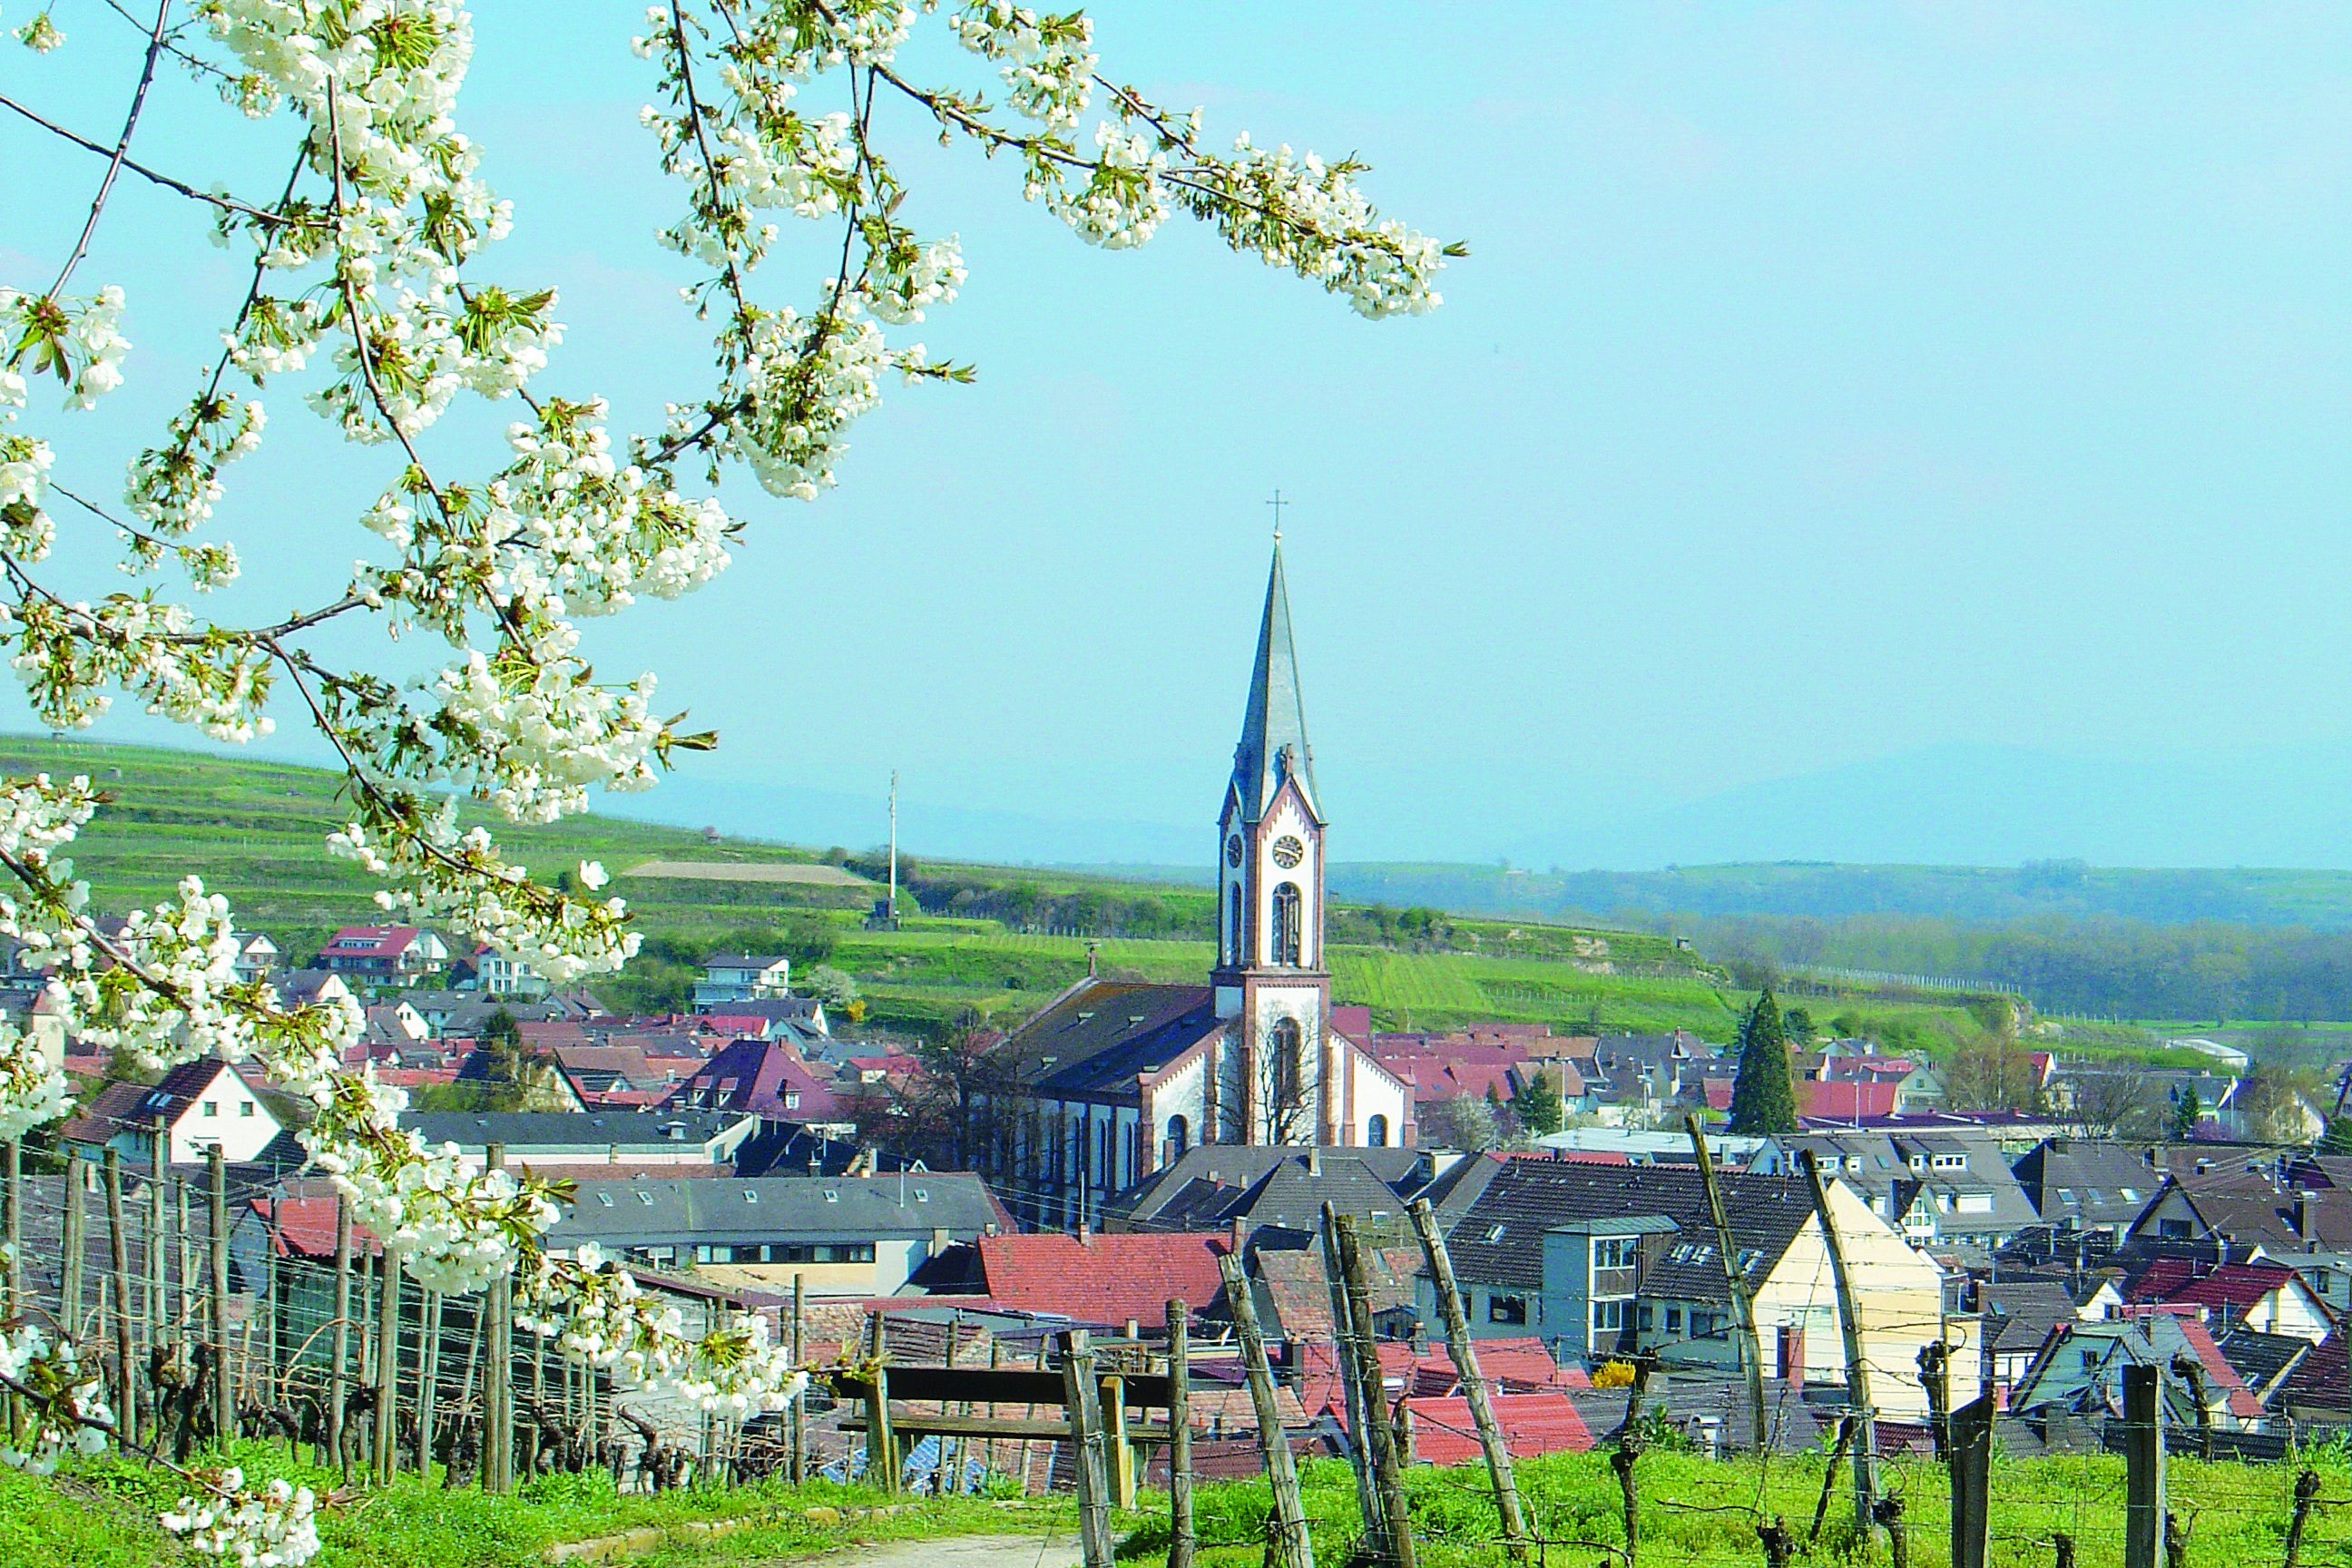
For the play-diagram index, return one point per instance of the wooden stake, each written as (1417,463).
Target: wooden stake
(1082,1400)
(1971,1451)
(1179,1436)
(2306,1487)
(498,1373)
(223,1401)
(1291,1547)
(1396,1516)
(2144,1501)
(126,1390)
(69,1291)
(428,1379)
(1857,1368)
(338,1391)
(1735,1280)
(15,1179)
(795,1419)
(1343,1362)
(1460,1346)
(881,1446)
(387,1367)
(1829,1476)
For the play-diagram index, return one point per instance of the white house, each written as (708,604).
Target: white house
(199,1104)
(740,977)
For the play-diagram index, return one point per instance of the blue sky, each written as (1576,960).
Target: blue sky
(1831,387)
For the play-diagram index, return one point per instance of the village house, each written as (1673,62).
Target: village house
(384,956)
(200,1105)
(2267,1297)
(1935,1188)
(534,1137)
(2078,1372)
(847,1236)
(1112,1080)
(731,977)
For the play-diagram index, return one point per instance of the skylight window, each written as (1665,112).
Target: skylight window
(1496,1234)
(605,1198)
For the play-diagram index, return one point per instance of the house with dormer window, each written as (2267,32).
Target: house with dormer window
(197,1105)
(384,956)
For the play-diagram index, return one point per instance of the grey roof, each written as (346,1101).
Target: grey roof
(1274,729)
(2087,1181)
(1096,1036)
(1887,1179)
(1498,1238)
(525,1131)
(642,1212)
(1205,1180)
(2028,1310)
(2262,1359)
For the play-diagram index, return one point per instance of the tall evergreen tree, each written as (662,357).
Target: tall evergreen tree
(1763,1097)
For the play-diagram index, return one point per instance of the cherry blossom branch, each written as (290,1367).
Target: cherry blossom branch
(121,148)
(179,188)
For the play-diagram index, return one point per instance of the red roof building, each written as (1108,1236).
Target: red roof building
(1103,1278)
(1443,1433)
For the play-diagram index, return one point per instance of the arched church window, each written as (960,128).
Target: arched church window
(1180,1134)
(1289,1080)
(1287,942)
(1233,927)
(1376,1132)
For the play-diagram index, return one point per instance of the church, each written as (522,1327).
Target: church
(1113,1079)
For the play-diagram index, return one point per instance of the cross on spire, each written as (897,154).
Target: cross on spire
(1279,503)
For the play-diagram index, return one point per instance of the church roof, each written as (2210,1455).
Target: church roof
(1099,1035)
(1274,731)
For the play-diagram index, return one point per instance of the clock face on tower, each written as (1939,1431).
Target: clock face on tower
(1288,852)
(1234,850)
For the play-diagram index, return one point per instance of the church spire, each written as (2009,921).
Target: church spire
(1274,731)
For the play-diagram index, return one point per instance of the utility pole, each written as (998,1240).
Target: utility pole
(1857,1369)
(893,848)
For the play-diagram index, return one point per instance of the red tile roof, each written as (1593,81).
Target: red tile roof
(1843,1099)
(305,1227)
(2232,1284)
(1103,1278)
(1444,1434)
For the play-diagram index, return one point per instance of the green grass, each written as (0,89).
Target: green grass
(1702,1513)
(102,1513)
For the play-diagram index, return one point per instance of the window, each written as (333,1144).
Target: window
(212,1108)
(1674,1320)
(1289,1091)
(244,1108)
(1376,1132)
(1234,924)
(2178,1229)
(1180,1133)
(1641,1317)
(1613,1252)
(1495,1233)
(604,1197)
(791,1099)
(1507,1308)
(1608,1315)
(1286,940)
(1707,1325)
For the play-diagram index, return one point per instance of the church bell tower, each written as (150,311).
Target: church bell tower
(1278,1074)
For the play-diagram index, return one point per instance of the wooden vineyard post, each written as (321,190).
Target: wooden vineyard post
(1857,1369)
(1396,1515)
(118,1246)
(2144,1500)
(15,1182)
(1971,1461)
(1343,1362)
(69,1291)
(1734,1281)
(795,1419)
(428,1379)
(1292,1547)
(1082,1395)
(338,1395)
(1458,1345)
(1179,1436)
(216,1207)
(387,1367)
(498,1370)
(881,1446)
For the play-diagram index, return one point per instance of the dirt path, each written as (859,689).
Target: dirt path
(1058,1550)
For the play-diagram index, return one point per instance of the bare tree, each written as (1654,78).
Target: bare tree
(1467,1123)
(2121,1101)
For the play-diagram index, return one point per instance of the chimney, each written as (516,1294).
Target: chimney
(1235,1234)
(1791,1354)
(2297,1196)
(1314,1160)
(1086,1233)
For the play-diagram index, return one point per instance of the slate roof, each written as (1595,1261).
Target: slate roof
(2262,1359)
(647,1211)
(523,1130)
(2241,1205)
(1498,1238)
(2028,1311)
(2092,1182)
(1098,1035)
(1103,1278)
(1273,746)
(1196,1190)
(758,1078)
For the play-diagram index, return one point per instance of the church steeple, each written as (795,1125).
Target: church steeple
(1273,728)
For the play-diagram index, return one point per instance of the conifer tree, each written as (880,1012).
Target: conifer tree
(1763,1097)
(2337,1139)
